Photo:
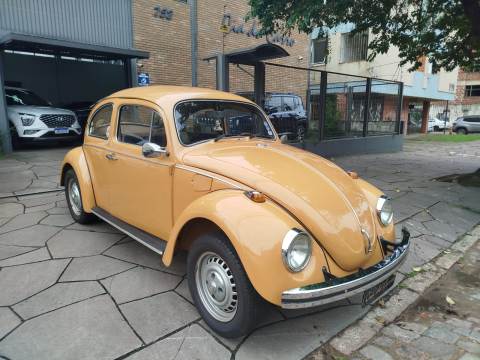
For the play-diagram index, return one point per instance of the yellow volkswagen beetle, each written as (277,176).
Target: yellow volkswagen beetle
(203,170)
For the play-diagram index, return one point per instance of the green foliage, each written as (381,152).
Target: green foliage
(446,31)
(448,138)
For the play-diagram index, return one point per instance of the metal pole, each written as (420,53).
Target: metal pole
(259,83)
(322,104)
(222,73)
(368,91)
(194,37)
(399,108)
(445,120)
(5,139)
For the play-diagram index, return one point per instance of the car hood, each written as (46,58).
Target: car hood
(323,197)
(39,110)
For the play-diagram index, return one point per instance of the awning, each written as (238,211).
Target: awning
(255,54)
(22,42)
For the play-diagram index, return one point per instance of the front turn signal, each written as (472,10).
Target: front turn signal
(255,196)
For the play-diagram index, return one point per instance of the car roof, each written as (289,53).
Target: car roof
(173,94)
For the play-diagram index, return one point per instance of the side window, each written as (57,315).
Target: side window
(100,122)
(288,103)
(139,124)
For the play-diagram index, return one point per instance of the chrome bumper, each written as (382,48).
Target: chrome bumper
(341,288)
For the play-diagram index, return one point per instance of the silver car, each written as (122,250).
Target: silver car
(33,119)
(467,124)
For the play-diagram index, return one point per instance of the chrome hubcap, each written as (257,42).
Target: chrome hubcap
(216,286)
(74,197)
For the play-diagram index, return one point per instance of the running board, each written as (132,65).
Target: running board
(144,238)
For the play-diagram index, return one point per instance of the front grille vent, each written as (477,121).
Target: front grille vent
(57,120)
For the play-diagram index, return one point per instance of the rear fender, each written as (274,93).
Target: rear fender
(75,159)
(256,231)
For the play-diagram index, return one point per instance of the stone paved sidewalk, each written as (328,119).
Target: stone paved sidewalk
(73,291)
(435,328)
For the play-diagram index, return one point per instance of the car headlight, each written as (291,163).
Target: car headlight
(384,210)
(27,119)
(296,250)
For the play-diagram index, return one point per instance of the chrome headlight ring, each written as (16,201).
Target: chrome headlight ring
(384,210)
(296,250)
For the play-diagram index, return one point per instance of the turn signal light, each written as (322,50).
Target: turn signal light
(255,196)
(352,174)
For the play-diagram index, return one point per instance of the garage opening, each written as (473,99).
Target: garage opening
(63,75)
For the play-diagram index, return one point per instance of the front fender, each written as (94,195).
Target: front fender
(75,159)
(256,231)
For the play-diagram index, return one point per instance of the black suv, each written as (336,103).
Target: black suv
(286,112)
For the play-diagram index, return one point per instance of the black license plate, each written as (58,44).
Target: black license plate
(372,294)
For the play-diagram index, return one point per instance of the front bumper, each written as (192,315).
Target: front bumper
(341,288)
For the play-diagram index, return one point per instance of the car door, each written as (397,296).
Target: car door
(96,151)
(475,123)
(141,193)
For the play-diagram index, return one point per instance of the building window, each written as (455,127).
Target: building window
(354,47)
(319,50)
(472,90)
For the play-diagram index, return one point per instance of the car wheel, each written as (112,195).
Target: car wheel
(300,133)
(16,142)
(74,199)
(436,128)
(462,131)
(219,286)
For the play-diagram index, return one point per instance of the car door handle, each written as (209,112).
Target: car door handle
(111,156)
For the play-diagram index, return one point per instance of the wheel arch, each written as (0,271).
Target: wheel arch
(255,231)
(75,160)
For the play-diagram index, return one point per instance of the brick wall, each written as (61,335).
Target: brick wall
(168,42)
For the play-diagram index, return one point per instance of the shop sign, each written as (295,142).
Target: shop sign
(254,31)
(162,12)
(143,79)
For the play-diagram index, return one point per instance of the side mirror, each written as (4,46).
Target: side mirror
(151,150)
(284,139)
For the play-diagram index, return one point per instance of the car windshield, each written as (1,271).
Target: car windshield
(23,97)
(201,120)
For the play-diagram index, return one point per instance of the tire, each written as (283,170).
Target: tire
(436,128)
(16,143)
(462,131)
(300,133)
(74,202)
(212,257)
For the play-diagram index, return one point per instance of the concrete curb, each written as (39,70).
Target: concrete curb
(409,290)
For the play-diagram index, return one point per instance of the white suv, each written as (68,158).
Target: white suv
(34,119)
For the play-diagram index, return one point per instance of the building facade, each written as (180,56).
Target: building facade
(340,51)
(467,97)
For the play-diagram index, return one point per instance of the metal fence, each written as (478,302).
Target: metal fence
(313,105)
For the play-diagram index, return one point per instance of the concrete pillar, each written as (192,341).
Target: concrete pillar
(5,139)
(425,112)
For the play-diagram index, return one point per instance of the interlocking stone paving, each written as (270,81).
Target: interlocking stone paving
(70,291)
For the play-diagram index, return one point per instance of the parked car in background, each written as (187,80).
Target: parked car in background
(81,110)
(286,111)
(204,171)
(467,124)
(436,124)
(34,119)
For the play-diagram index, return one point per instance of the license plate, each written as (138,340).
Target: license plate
(61,130)
(372,294)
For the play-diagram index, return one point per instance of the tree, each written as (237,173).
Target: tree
(446,31)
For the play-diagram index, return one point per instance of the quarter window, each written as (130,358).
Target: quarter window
(100,122)
(139,124)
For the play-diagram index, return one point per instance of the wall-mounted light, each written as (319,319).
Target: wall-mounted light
(226,21)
